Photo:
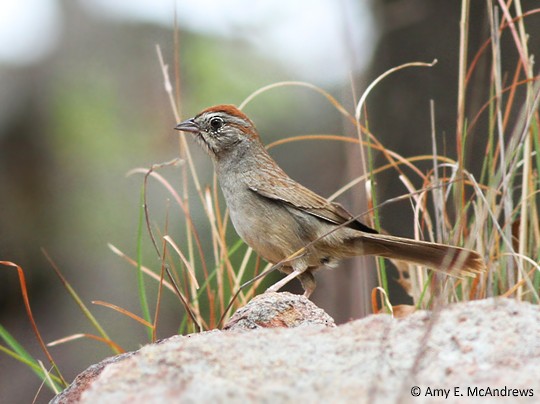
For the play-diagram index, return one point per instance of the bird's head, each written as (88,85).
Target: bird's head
(220,129)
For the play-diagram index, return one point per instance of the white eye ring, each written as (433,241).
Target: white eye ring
(216,123)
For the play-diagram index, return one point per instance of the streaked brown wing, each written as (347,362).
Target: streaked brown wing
(287,190)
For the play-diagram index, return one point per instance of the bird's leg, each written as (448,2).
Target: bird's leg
(308,283)
(297,272)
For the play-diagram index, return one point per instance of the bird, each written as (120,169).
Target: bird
(288,224)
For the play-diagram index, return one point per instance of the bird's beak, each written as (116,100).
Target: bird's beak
(188,126)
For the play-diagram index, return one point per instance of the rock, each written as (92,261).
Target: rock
(73,393)
(270,310)
(471,346)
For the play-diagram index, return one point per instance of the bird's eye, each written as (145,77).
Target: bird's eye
(216,123)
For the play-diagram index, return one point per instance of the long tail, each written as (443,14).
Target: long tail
(453,260)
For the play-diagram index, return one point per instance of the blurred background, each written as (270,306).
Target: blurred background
(82,102)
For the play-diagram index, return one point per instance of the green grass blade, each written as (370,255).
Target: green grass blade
(20,354)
